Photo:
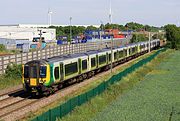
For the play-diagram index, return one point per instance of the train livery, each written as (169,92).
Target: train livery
(46,75)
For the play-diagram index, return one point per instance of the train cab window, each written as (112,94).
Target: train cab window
(71,69)
(84,65)
(102,59)
(42,72)
(26,71)
(56,73)
(33,72)
(93,62)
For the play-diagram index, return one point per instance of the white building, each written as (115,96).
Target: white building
(23,32)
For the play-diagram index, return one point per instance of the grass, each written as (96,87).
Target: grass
(32,115)
(96,105)
(156,98)
(7,82)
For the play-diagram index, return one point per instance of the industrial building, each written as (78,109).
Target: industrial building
(26,32)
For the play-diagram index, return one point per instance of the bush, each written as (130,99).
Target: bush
(139,38)
(14,70)
(2,47)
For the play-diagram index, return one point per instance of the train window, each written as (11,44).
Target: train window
(93,62)
(84,65)
(125,52)
(26,71)
(71,69)
(133,49)
(121,54)
(109,57)
(42,72)
(56,73)
(102,59)
(115,55)
(130,51)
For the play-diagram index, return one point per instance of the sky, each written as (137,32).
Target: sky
(90,12)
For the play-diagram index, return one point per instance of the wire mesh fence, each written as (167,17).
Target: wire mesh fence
(67,107)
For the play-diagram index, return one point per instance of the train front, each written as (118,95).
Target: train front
(36,76)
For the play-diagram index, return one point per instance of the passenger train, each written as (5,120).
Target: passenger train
(47,75)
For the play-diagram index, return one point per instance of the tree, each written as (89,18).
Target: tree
(91,28)
(173,36)
(138,38)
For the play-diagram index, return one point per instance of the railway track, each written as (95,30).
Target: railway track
(8,94)
(20,102)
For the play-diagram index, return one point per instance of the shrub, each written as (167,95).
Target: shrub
(2,47)
(13,70)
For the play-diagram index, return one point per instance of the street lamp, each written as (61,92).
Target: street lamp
(70,19)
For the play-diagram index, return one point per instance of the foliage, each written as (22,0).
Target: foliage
(12,76)
(134,26)
(138,38)
(173,36)
(2,47)
(91,28)
(13,70)
(65,31)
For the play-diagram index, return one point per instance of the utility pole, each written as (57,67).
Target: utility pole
(70,28)
(149,42)
(101,29)
(40,34)
(100,39)
(110,21)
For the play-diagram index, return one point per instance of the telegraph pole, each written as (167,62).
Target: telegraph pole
(110,21)
(101,29)
(149,42)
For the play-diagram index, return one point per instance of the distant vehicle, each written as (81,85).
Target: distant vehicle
(37,39)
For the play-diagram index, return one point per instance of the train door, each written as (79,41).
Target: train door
(80,65)
(61,71)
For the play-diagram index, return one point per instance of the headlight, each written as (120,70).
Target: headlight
(27,81)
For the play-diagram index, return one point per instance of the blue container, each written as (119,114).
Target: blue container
(59,42)
(19,46)
(33,46)
(43,45)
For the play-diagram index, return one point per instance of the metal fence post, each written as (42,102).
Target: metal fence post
(50,115)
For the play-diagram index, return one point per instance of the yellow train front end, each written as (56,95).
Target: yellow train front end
(36,76)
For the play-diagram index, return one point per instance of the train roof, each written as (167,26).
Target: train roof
(65,57)
(76,55)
